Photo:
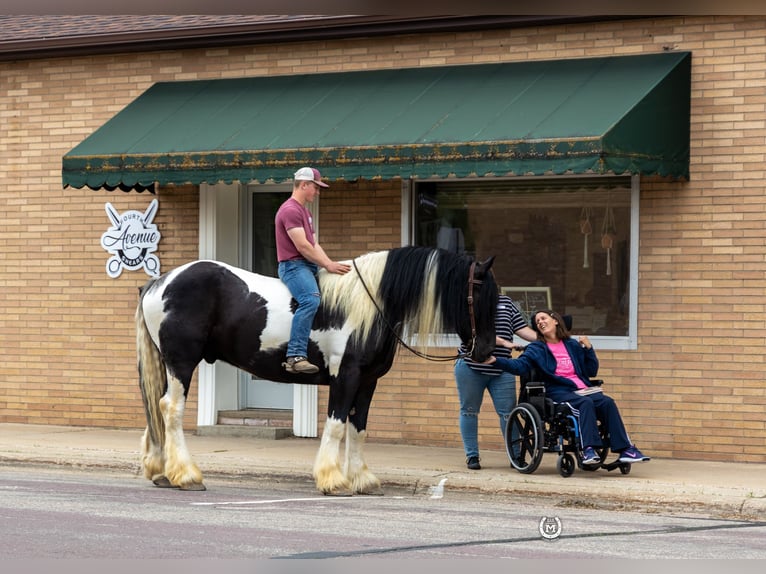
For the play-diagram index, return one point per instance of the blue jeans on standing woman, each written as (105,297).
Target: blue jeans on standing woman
(300,277)
(470,389)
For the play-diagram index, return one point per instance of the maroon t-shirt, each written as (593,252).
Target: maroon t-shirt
(292,214)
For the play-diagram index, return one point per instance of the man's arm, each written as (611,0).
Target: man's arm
(315,253)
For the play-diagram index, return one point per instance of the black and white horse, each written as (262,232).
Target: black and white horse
(213,311)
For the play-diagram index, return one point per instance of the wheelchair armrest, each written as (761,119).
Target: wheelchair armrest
(535,395)
(535,388)
(596,382)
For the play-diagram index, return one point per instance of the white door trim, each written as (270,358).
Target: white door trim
(206,411)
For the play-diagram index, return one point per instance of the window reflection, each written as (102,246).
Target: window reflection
(569,235)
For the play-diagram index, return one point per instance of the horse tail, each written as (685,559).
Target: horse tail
(152,377)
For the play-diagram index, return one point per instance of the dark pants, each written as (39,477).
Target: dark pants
(589,410)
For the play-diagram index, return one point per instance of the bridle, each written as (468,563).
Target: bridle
(471,282)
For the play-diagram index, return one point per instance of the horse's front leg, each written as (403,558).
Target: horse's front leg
(180,470)
(359,476)
(327,469)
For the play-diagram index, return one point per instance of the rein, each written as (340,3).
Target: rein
(471,283)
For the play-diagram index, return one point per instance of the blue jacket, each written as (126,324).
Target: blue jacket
(537,356)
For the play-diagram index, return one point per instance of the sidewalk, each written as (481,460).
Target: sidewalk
(733,490)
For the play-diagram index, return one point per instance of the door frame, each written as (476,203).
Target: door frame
(219,384)
(305,399)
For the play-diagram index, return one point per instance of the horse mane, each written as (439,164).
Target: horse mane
(346,294)
(414,287)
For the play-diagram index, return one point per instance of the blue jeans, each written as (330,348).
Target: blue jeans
(470,389)
(300,277)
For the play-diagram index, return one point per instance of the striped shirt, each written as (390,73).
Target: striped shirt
(509,320)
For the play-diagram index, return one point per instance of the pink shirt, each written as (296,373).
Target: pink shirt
(291,214)
(564,365)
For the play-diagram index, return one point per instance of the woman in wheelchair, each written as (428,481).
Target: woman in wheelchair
(565,365)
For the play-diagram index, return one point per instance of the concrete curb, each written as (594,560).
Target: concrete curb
(695,487)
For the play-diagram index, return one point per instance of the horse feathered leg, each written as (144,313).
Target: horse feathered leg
(359,476)
(180,469)
(152,461)
(327,469)
(151,373)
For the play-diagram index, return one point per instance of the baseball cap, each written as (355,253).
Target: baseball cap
(310,174)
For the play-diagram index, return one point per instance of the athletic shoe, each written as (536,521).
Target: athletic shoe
(473,463)
(299,365)
(589,456)
(631,455)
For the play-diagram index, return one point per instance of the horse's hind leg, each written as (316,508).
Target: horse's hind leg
(180,471)
(152,459)
(361,479)
(327,471)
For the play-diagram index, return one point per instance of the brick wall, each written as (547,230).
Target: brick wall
(67,332)
(693,389)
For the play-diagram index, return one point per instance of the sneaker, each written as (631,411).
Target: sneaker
(473,463)
(589,456)
(299,365)
(631,455)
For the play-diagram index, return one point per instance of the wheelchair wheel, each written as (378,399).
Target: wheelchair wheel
(524,438)
(565,464)
(625,468)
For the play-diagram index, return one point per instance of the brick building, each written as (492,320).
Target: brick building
(658,251)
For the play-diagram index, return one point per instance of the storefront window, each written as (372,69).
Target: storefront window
(560,242)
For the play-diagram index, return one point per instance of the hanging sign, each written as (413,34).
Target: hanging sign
(132,240)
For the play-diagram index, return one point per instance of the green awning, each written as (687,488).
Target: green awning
(619,115)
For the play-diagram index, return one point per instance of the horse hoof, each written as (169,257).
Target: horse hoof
(338,492)
(371,492)
(162,482)
(193,486)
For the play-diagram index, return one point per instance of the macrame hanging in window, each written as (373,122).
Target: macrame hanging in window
(608,232)
(586,230)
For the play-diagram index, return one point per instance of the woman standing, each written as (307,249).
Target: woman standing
(474,378)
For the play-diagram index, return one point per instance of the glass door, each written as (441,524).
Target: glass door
(261,252)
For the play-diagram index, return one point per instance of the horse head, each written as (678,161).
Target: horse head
(479,334)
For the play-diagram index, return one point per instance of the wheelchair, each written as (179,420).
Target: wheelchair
(538,425)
